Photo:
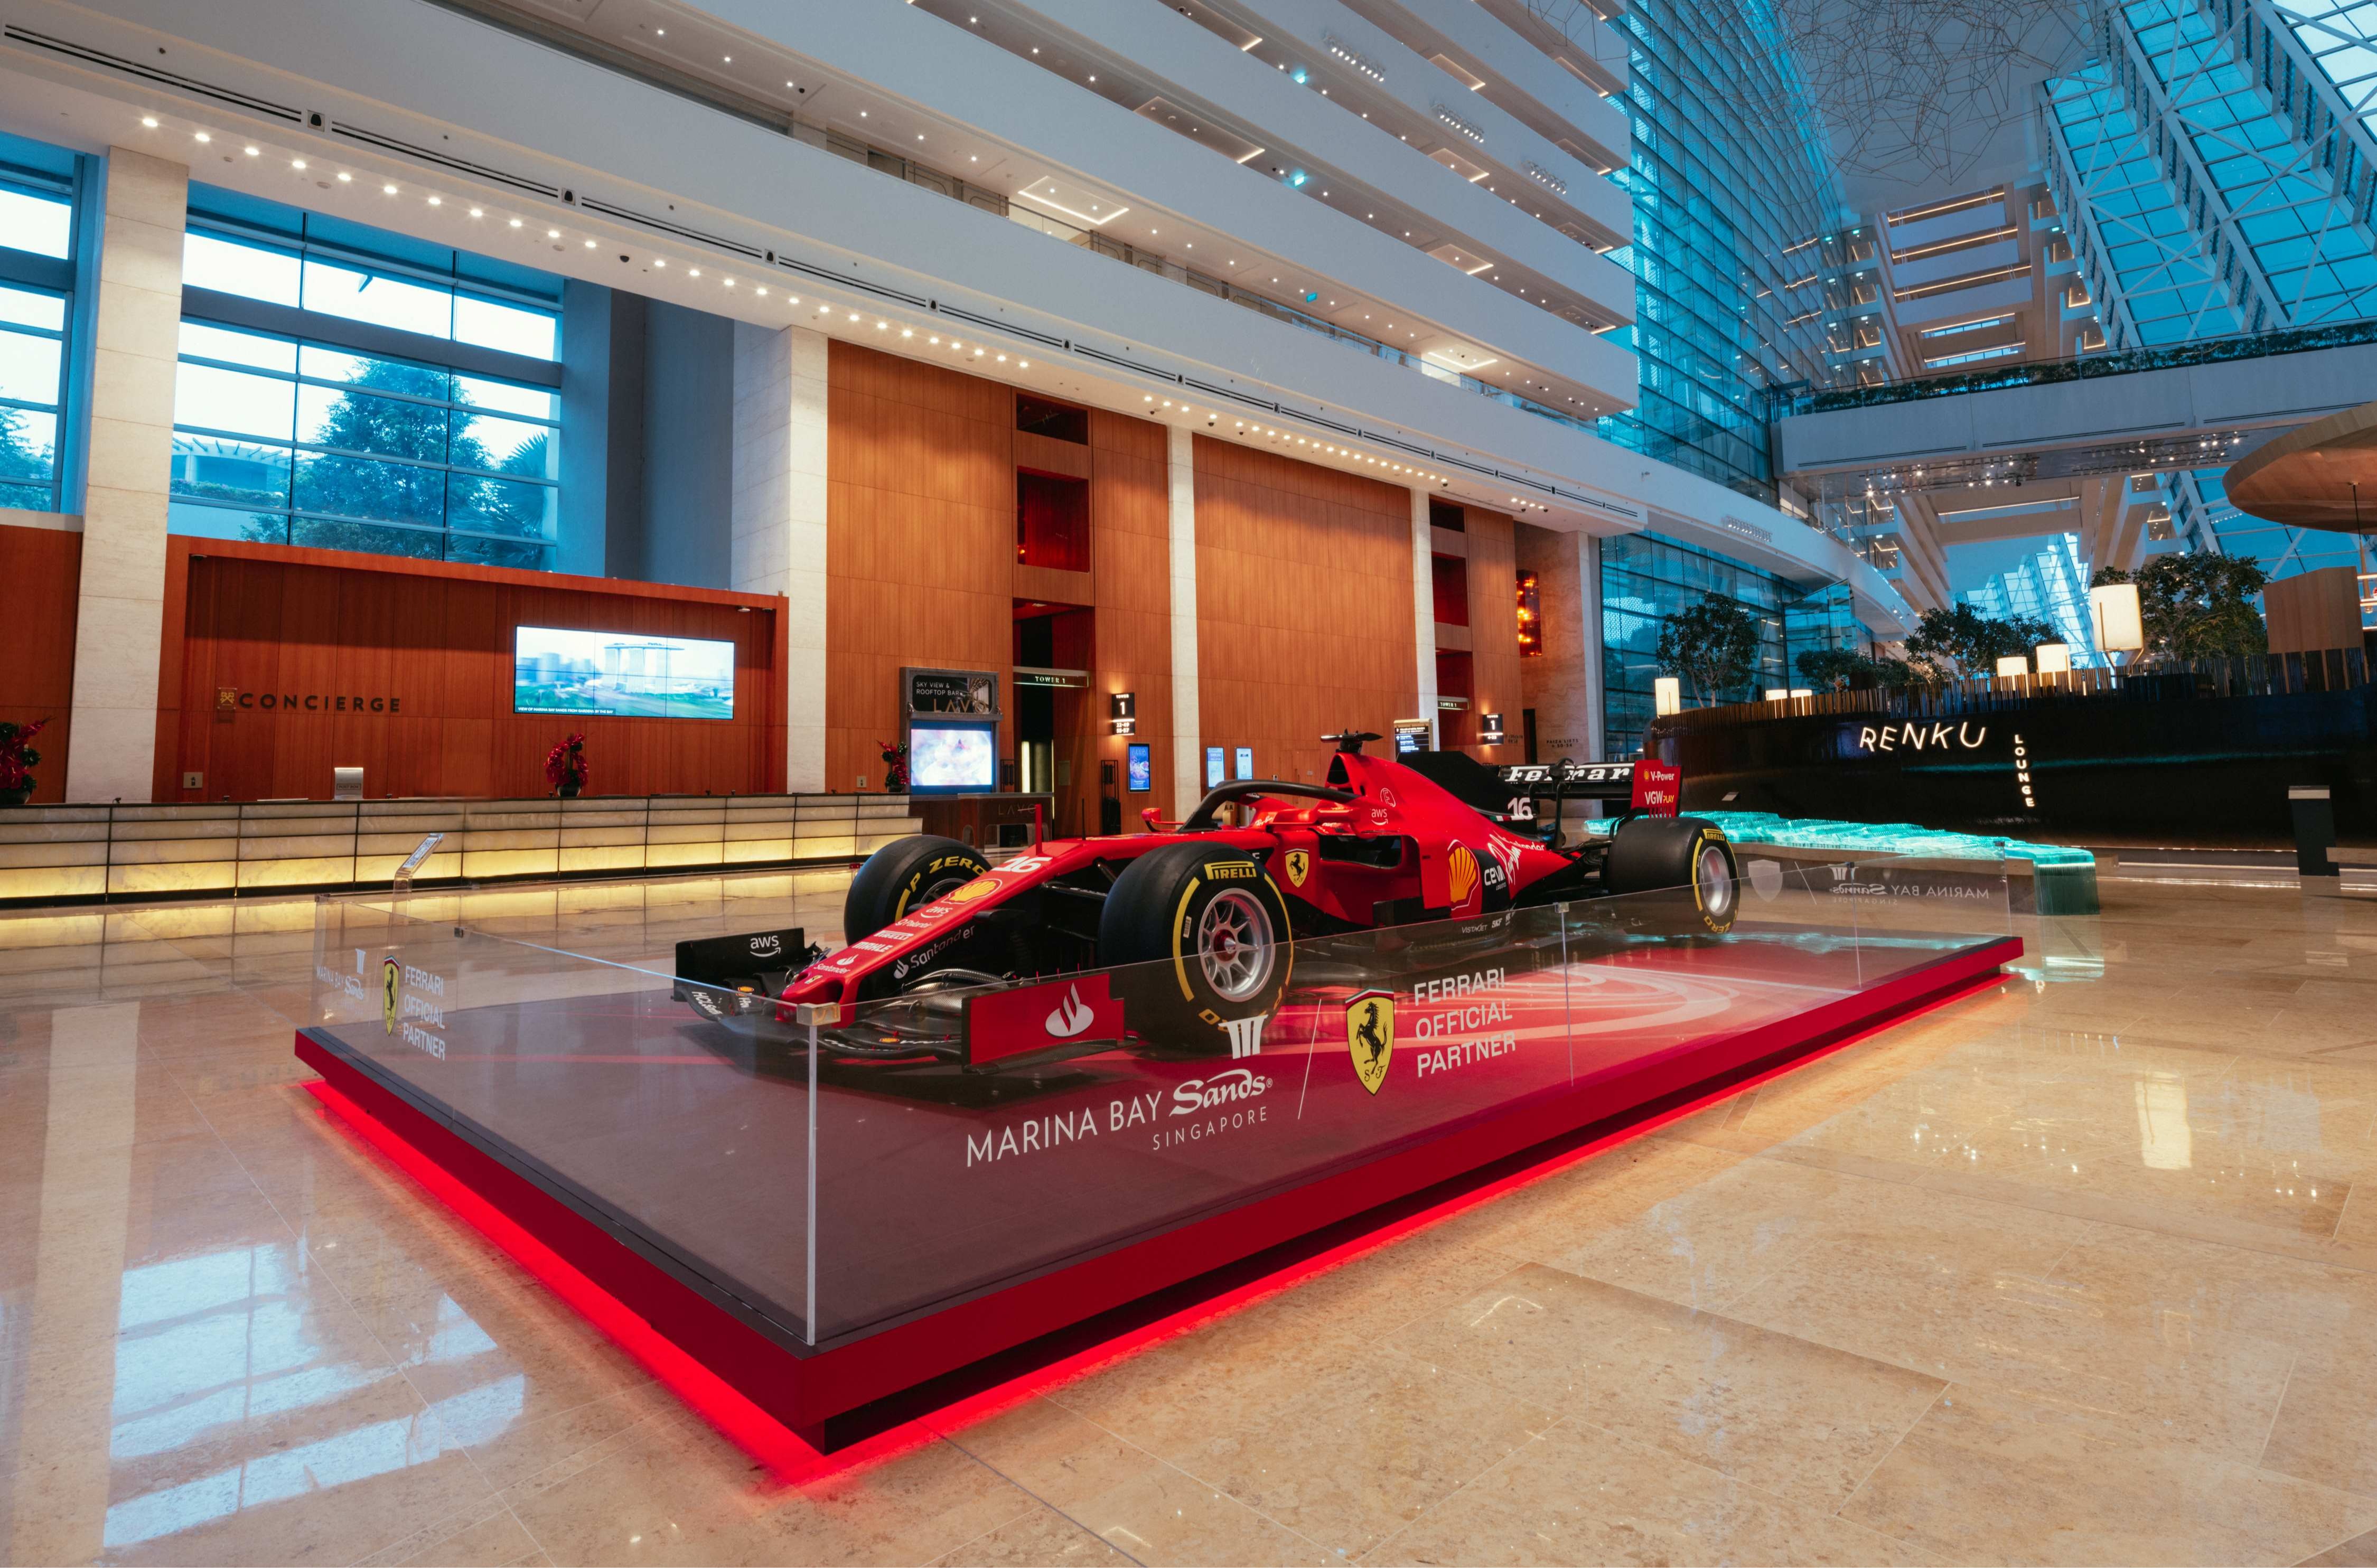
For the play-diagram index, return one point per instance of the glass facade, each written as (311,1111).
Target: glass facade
(320,437)
(1737,244)
(2216,162)
(1646,577)
(37,262)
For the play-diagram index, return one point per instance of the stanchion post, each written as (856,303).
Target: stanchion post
(2314,816)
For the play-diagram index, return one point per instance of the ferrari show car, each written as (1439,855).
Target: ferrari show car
(1180,938)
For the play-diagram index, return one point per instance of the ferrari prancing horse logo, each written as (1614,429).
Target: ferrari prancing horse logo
(1299,866)
(1370,1035)
(392,974)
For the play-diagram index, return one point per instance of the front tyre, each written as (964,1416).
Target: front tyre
(1202,935)
(902,877)
(1687,853)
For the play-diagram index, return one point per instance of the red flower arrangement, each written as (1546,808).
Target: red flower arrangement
(17,758)
(565,765)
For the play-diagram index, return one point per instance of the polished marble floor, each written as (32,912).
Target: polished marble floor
(2075,1270)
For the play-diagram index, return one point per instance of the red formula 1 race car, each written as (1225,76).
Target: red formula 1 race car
(1206,909)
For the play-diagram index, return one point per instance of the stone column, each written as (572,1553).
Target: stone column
(1588,558)
(779,518)
(1188,720)
(1424,608)
(136,338)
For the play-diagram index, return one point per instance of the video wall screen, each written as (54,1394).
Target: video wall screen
(952,759)
(621,675)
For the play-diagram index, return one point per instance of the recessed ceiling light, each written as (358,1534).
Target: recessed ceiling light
(437,201)
(693,272)
(728,58)
(251,151)
(387,190)
(478,212)
(553,233)
(344,178)
(516,222)
(204,136)
(150,121)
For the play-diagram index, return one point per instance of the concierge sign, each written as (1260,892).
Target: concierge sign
(233,700)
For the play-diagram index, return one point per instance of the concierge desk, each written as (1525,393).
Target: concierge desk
(87,854)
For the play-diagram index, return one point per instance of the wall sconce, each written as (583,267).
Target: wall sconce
(2120,625)
(1666,695)
(1778,694)
(2014,664)
(2054,659)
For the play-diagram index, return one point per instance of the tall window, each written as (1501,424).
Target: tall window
(36,303)
(330,398)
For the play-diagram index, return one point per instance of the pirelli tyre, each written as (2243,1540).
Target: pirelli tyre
(904,876)
(1199,935)
(1685,853)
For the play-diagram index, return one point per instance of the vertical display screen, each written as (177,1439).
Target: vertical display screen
(1246,762)
(1214,768)
(1141,770)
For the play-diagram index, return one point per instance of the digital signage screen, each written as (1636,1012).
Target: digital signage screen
(1141,768)
(952,759)
(621,675)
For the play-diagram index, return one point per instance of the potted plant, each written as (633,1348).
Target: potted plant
(17,760)
(565,766)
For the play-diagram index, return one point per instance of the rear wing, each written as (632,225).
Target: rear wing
(1508,792)
(1572,780)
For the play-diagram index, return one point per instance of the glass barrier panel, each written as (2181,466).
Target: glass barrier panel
(607,1084)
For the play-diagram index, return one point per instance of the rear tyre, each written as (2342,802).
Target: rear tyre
(1207,931)
(1686,853)
(902,877)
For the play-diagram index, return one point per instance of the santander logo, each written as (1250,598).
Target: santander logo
(1072,1017)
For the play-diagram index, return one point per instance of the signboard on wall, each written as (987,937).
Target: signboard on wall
(949,692)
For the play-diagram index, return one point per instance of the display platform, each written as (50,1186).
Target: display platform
(820,1232)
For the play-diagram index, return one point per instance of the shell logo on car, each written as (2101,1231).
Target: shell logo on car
(980,887)
(1461,867)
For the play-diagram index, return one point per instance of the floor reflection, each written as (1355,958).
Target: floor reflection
(2073,1270)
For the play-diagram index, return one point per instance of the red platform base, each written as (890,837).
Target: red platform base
(759,1392)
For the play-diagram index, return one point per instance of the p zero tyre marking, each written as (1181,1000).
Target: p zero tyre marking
(1180,930)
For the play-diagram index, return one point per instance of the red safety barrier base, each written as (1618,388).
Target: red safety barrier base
(776,1402)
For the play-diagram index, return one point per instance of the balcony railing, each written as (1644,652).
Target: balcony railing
(1804,400)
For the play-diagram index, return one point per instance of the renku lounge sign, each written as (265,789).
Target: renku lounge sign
(230,699)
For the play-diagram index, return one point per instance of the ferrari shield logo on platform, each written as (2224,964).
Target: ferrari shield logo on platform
(390,976)
(1370,1035)
(1299,866)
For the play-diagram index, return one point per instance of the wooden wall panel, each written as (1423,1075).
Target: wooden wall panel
(1304,606)
(439,638)
(1131,516)
(920,543)
(42,569)
(1495,683)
